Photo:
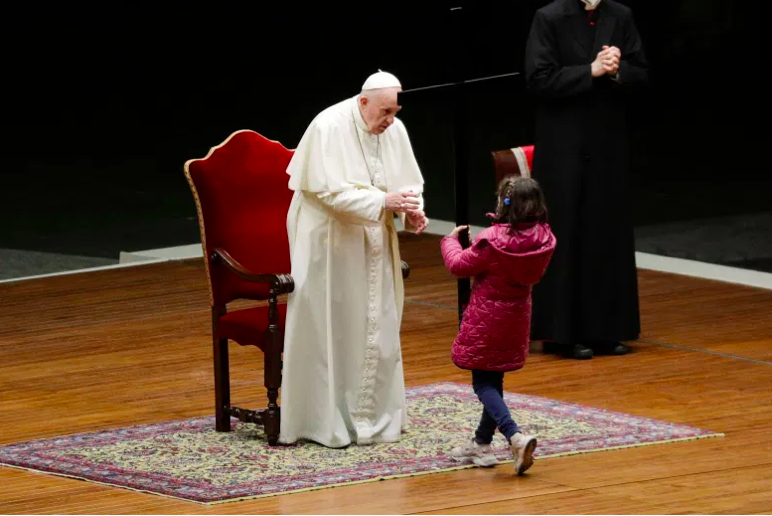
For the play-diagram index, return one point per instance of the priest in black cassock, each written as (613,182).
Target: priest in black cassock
(581,58)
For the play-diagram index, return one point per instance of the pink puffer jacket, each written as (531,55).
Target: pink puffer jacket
(496,326)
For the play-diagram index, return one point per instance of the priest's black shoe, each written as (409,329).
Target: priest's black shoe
(617,348)
(579,352)
(611,348)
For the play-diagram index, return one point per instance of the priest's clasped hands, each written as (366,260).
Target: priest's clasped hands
(607,62)
(408,203)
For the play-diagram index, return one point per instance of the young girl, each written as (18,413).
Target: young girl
(506,259)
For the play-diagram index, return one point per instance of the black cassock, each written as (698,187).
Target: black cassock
(590,290)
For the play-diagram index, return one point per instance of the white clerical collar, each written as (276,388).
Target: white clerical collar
(360,121)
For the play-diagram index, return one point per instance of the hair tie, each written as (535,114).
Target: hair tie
(507,201)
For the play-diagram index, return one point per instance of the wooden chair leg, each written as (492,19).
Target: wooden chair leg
(273,349)
(272,416)
(222,383)
(222,387)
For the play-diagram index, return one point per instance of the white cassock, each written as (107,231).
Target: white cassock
(342,378)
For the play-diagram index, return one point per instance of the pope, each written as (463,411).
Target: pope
(353,173)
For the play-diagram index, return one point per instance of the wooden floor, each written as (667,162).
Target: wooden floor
(132,346)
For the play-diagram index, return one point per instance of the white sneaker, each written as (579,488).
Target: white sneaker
(522,450)
(479,454)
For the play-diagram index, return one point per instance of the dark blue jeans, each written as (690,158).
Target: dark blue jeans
(489,387)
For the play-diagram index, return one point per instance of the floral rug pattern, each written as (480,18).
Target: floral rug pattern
(189,460)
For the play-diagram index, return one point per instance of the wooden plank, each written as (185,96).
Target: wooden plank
(108,349)
(731,491)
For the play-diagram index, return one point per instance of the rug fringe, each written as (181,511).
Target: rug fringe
(636,445)
(458,468)
(356,482)
(106,484)
(366,481)
(252,497)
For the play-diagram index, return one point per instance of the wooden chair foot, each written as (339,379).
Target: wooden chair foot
(271,423)
(223,424)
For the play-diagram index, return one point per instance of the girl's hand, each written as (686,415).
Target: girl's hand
(458,230)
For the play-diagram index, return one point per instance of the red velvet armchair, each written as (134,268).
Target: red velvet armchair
(242,199)
(241,195)
(517,161)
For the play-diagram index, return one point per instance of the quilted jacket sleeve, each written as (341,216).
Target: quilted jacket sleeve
(468,262)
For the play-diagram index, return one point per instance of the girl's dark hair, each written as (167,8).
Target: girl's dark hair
(520,200)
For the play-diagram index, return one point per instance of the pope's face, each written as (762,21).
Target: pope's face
(379,109)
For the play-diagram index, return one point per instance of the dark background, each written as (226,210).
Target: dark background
(103,105)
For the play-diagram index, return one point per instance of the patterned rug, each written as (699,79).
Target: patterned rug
(188,460)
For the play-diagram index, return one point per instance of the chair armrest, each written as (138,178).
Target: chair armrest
(280,283)
(405,270)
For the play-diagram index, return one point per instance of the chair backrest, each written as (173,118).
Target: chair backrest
(517,161)
(242,199)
